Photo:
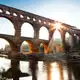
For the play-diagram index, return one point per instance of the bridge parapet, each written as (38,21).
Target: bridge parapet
(27,17)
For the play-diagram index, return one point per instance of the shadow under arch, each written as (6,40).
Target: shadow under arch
(28,47)
(7,26)
(27,30)
(44,33)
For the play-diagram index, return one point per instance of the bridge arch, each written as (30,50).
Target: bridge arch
(67,36)
(6,26)
(44,33)
(7,44)
(57,41)
(43,48)
(26,47)
(27,30)
(55,44)
(77,38)
(68,39)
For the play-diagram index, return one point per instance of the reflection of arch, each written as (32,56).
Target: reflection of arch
(27,30)
(43,47)
(6,26)
(43,33)
(28,48)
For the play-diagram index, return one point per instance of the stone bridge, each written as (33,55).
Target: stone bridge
(19,17)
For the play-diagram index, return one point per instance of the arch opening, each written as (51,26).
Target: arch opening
(43,33)
(77,39)
(6,26)
(5,47)
(68,40)
(55,44)
(43,48)
(76,42)
(27,30)
(26,47)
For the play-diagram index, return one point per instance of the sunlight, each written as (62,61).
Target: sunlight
(43,33)
(61,11)
(57,25)
(55,72)
(56,42)
(3,42)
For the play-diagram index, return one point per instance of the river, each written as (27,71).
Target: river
(45,70)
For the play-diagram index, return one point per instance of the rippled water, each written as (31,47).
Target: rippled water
(46,70)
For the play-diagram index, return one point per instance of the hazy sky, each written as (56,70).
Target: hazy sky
(67,11)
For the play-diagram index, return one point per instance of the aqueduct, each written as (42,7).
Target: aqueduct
(19,17)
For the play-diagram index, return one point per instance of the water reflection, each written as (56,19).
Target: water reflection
(55,73)
(45,70)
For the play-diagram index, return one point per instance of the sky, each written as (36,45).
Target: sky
(67,11)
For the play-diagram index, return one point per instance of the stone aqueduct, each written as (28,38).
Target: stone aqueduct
(18,17)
